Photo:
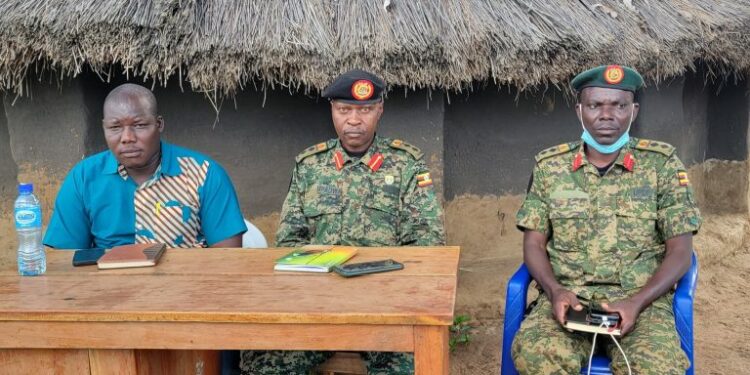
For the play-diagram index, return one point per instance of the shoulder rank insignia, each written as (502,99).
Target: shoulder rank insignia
(412,150)
(424,179)
(312,150)
(556,150)
(655,146)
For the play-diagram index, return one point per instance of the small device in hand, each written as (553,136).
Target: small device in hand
(605,318)
(357,269)
(593,320)
(87,257)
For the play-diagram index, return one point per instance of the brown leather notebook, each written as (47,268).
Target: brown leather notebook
(136,255)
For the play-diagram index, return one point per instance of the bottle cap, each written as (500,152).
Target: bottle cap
(25,188)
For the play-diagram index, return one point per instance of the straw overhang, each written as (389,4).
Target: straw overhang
(219,46)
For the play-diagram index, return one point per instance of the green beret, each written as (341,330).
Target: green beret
(355,87)
(610,77)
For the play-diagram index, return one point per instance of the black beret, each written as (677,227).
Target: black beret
(355,87)
(608,76)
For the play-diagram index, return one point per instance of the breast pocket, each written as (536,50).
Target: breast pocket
(570,223)
(638,239)
(381,221)
(636,225)
(177,222)
(324,219)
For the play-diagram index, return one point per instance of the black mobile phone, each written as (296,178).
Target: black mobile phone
(599,317)
(356,269)
(87,257)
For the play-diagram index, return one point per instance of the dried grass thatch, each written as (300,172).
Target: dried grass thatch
(218,46)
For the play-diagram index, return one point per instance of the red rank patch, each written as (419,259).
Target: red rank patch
(375,162)
(628,162)
(577,162)
(338,160)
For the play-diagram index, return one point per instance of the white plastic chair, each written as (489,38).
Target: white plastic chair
(253,238)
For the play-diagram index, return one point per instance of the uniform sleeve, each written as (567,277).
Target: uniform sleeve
(534,212)
(293,228)
(221,217)
(677,211)
(421,215)
(70,226)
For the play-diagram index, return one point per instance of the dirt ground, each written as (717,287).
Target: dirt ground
(491,252)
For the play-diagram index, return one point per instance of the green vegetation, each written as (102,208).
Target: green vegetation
(461,331)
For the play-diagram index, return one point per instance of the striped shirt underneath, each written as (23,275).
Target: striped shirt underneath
(167,207)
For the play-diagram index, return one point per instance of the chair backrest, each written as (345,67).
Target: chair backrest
(515,305)
(253,238)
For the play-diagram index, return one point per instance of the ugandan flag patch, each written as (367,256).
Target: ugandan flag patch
(424,179)
(682,178)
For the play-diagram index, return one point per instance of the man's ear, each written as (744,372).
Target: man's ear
(579,112)
(636,108)
(160,123)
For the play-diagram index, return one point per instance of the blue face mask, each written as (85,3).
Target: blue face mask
(607,149)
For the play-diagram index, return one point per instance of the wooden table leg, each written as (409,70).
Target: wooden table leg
(189,362)
(116,361)
(431,350)
(44,361)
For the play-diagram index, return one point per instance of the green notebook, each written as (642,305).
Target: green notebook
(315,258)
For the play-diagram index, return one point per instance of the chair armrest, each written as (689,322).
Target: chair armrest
(683,308)
(515,305)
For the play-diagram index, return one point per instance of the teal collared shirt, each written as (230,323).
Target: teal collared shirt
(189,202)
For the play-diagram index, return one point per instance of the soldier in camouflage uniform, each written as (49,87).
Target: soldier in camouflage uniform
(361,190)
(606,221)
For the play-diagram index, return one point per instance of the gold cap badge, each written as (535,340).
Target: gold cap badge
(614,74)
(362,89)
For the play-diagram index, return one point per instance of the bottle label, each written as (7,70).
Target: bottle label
(28,218)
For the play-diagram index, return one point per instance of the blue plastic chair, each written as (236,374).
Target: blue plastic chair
(515,306)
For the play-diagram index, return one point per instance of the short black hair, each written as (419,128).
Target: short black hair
(131,90)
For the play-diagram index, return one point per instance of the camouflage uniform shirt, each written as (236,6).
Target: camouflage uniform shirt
(607,233)
(384,198)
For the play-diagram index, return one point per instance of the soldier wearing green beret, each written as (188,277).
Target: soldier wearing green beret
(608,220)
(359,189)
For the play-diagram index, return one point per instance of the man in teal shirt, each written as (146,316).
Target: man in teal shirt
(144,189)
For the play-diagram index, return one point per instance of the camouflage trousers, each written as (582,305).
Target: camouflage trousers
(543,347)
(279,362)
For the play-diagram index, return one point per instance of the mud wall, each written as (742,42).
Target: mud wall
(725,174)
(492,135)
(255,137)
(8,168)
(478,142)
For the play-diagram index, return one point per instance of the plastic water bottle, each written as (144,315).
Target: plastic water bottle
(28,217)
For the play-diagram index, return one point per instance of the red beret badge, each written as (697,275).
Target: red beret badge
(362,89)
(614,74)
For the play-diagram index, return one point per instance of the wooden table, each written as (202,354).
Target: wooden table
(215,299)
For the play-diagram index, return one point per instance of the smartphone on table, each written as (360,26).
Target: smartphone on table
(357,269)
(87,257)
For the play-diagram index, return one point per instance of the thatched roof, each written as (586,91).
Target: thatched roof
(220,46)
